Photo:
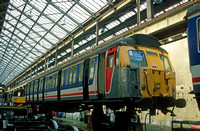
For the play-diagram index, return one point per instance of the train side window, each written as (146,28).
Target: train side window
(40,85)
(198,34)
(70,76)
(80,73)
(111,61)
(66,77)
(56,79)
(92,69)
(36,86)
(50,82)
(74,75)
(62,78)
(53,81)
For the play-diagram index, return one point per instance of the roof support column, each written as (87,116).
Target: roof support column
(150,10)
(138,12)
(56,57)
(72,47)
(97,32)
(45,64)
(31,71)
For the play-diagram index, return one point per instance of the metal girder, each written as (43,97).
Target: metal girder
(86,9)
(41,13)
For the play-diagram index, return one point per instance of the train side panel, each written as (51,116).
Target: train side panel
(193,20)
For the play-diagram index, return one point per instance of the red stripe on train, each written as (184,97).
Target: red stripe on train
(196,79)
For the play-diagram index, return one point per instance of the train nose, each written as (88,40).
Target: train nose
(157,83)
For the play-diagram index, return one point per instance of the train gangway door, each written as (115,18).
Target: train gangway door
(110,64)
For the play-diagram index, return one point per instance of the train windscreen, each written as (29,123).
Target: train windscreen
(165,62)
(137,58)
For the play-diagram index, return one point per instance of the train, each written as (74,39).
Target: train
(193,22)
(132,71)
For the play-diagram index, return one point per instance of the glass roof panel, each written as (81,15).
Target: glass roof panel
(33,27)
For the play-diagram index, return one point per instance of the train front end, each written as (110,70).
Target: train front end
(146,74)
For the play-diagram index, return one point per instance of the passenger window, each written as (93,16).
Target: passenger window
(111,61)
(70,76)
(53,81)
(56,80)
(80,73)
(66,77)
(36,86)
(31,91)
(62,78)
(91,69)
(198,35)
(74,76)
(41,84)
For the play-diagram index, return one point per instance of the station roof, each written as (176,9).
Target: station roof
(30,29)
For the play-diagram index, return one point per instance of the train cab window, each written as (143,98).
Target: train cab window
(74,75)
(137,58)
(70,76)
(66,77)
(92,69)
(111,61)
(165,62)
(62,78)
(198,34)
(80,73)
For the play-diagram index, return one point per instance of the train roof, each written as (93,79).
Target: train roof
(193,10)
(137,39)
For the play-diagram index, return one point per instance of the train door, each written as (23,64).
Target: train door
(110,63)
(86,79)
(58,81)
(50,91)
(101,74)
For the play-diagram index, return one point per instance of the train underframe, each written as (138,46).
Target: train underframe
(124,119)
